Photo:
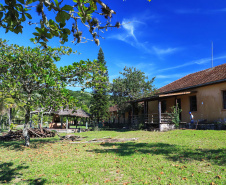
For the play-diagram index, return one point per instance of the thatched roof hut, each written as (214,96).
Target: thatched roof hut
(59,114)
(65,112)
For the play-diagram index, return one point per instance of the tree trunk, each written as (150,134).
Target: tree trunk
(25,130)
(1,123)
(10,117)
(30,116)
(41,119)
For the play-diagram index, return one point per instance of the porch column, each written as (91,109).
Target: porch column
(146,110)
(159,110)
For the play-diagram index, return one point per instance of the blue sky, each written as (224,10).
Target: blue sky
(164,39)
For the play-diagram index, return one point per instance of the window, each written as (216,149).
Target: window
(224,99)
(193,103)
(163,106)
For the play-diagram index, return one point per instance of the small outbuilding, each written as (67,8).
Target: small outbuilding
(59,115)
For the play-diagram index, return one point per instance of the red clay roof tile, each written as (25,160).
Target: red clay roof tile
(200,78)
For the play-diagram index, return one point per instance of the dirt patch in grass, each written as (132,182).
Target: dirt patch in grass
(108,140)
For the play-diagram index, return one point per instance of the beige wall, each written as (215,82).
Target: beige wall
(209,103)
(153,107)
(114,115)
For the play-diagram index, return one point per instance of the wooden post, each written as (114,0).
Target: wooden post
(61,119)
(66,122)
(86,123)
(159,111)
(89,123)
(145,113)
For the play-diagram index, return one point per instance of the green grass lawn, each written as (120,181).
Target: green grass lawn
(175,157)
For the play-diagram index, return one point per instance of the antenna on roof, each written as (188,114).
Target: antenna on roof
(212,54)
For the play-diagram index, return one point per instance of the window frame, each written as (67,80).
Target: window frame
(224,99)
(193,103)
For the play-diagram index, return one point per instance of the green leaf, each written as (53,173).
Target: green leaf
(2,8)
(1,15)
(67,8)
(28,15)
(29,2)
(62,17)
(57,3)
(21,1)
(36,34)
(18,29)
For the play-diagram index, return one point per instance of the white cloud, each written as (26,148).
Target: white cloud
(169,76)
(160,51)
(130,28)
(141,65)
(198,62)
(199,11)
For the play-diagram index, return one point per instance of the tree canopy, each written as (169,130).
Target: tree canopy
(30,75)
(57,18)
(131,85)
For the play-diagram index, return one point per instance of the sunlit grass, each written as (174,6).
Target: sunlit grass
(176,157)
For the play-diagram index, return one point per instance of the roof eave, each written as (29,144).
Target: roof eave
(192,87)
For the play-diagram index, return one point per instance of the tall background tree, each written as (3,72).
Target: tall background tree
(100,99)
(131,85)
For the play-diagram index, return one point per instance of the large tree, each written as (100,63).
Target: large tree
(57,18)
(131,85)
(30,75)
(100,99)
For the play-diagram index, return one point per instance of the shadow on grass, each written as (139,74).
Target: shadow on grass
(38,181)
(171,152)
(117,129)
(35,143)
(11,174)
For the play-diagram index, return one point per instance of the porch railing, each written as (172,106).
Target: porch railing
(151,118)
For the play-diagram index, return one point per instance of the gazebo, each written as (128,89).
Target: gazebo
(57,121)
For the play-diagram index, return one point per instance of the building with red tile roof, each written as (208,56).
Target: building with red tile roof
(202,78)
(202,93)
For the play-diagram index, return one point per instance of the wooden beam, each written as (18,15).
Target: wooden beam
(175,94)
